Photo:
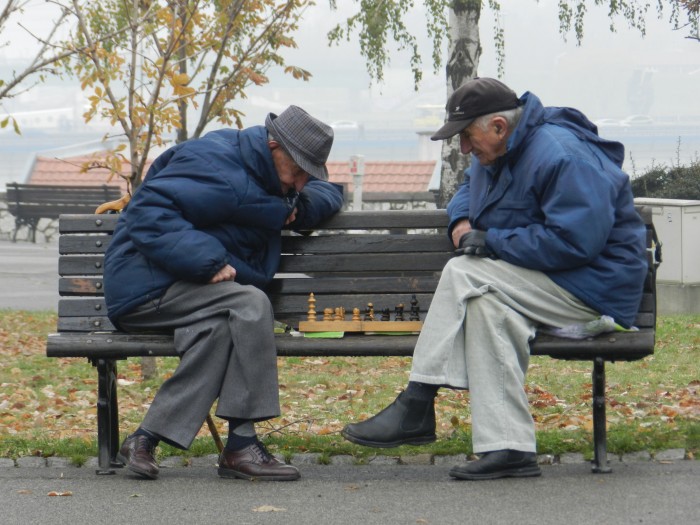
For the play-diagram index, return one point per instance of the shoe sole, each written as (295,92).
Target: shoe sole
(525,472)
(418,440)
(136,470)
(234,474)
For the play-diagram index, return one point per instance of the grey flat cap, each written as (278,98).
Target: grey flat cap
(307,140)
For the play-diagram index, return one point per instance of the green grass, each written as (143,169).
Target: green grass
(47,405)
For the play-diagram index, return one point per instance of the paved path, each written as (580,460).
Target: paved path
(647,493)
(28,275)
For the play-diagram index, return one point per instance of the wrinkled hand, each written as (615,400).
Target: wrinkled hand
(292,217)
(474,243)
(460,228)
(227,273)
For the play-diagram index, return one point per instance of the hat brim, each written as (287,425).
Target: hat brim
(451,128)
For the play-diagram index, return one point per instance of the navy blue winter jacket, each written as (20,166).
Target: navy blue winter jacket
(206,203)
(558,202)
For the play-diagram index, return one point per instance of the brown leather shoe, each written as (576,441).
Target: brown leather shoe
(254,463)
(137,453)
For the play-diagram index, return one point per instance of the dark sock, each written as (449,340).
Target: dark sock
(241,433)
(153,438)
(421,391)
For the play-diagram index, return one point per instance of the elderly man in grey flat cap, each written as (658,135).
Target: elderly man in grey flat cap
(191,254)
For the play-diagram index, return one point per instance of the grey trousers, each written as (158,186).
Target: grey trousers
(476,335)
(225,338)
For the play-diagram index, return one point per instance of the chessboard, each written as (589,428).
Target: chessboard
(336,319)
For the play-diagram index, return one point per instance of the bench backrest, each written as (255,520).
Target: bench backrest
(50,201)
(355,258)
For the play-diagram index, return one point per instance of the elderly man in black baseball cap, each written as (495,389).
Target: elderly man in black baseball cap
(546,234)
(192,253)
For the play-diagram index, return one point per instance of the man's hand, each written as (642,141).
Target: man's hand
(292,216)
(460,228)
(227,273)
(474,243)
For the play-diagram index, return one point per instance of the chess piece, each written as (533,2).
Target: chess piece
(311,314)
(398,312)
(369,312)
(328,314)
(356,314)
(414,316)
(339,314)
(386,316)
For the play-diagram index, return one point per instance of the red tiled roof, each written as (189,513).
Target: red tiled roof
(68,172)
(386,176)
(380,176)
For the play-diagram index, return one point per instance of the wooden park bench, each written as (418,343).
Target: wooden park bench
(29,203)
(379,257)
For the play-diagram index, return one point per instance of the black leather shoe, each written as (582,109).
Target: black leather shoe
(254,463)
(407,421)
(137,453)
(499,464)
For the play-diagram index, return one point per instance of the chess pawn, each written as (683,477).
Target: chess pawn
(339,314)
(356,314)
(328,314)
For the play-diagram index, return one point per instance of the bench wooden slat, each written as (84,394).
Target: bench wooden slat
(633,346)
(81,265)
(81,286)
(356,244)
(367,262)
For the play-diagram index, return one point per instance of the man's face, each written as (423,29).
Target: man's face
(487,144)
(290,174)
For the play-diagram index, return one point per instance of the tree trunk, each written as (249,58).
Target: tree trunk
(462,65)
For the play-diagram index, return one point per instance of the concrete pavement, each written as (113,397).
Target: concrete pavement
(28,275)
(649,493)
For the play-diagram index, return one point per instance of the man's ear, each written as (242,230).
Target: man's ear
(500,125)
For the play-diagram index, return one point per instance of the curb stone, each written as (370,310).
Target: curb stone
(676,454)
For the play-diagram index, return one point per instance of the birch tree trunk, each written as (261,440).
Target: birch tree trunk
(462,65)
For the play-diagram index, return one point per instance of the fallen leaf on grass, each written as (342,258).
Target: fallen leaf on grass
(268,508)
(24,491)
(54,493)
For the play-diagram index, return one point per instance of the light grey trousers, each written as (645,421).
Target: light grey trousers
(476,335)
(224,334)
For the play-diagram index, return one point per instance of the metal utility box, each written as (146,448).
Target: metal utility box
(677,224)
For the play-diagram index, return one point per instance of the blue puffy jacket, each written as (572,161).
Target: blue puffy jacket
(558,202)
(206,203)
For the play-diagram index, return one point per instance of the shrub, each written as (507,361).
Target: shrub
(679,182)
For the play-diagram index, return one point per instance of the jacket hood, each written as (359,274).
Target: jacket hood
(535,114)
(255,155)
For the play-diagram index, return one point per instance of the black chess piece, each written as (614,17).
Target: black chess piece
(398,315)
(415,315)
(386,315)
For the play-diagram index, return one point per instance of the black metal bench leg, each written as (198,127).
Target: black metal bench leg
(600,460)
(107,415)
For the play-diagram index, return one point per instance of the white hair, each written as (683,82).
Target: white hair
(512,117)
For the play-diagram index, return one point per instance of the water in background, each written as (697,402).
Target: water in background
(667,144)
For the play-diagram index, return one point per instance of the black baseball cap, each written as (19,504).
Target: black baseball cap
(476,97)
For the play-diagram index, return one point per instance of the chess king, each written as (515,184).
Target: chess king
(546,233)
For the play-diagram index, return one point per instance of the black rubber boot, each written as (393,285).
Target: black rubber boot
(407,421)
(499,464)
